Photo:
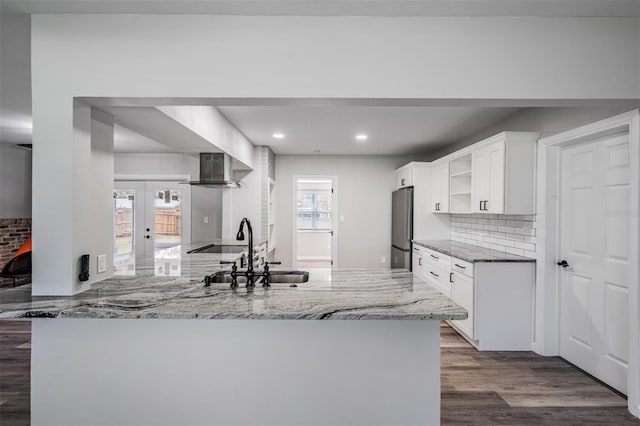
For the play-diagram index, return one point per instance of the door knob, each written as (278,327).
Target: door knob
(563,263)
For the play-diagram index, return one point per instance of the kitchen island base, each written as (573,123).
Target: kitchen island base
(235,372)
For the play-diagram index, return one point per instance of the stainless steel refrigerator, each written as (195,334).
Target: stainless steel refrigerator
(401,228)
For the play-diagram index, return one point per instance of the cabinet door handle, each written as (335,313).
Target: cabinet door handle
(450,277)
(434,256)
(402,182)
(420,261)
(480,205)
(434,274)
(460,266)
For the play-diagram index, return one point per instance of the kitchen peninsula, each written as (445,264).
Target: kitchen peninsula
(167,350)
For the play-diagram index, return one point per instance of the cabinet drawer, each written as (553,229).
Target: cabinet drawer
(462,266)
(419,250)
(438,278)
(437,259)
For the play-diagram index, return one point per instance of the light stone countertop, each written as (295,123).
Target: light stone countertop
(469,252)
(353,294)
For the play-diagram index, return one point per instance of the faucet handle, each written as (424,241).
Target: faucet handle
(273,263)
(227,262)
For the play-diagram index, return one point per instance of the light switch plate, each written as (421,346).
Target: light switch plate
(206,219)
(102,263)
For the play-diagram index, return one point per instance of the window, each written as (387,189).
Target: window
(314,210)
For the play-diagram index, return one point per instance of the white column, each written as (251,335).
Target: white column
(67,192)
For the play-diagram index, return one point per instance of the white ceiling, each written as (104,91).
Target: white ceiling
(582,8)
(394,130)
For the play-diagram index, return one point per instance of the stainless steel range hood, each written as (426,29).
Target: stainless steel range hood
(215,171)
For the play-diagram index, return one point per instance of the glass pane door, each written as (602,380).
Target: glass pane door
(151,221)
(124,244)
(167,230)
(314,222)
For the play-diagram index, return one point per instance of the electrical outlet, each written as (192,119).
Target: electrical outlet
(206,219)
(384,259)
(526,226)
(341,218)
(102,263)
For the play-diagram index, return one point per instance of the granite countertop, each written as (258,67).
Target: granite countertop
(469,252)
(355,294)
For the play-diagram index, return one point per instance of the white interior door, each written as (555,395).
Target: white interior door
(150,218)
(595,219)
(314,224)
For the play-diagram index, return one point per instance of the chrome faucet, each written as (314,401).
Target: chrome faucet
(240,237)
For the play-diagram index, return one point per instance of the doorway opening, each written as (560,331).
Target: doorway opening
(151,221)
(314,236)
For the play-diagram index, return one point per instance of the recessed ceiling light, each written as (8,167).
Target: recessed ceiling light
(361,137)
(278,135)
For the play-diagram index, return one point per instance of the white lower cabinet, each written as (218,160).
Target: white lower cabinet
(462,294)
(499,299)
(497,295)
(417,261)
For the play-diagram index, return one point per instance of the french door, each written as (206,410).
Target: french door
(151,222)
(595,223)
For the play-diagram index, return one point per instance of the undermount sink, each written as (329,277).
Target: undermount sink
(283,277)
(219,248)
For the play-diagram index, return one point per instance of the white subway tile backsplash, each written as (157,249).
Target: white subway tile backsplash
(515,237)
(517,251)
(506,243)
(515,234)
(525,246)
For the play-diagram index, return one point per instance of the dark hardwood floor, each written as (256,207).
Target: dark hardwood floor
(15,380)
(478,388)
(521,388)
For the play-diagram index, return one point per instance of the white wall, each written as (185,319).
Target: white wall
(101,192)
(364,187)
(204,201)
(292,57)
(15,181)
(245,201)
(217,56)
(15,78)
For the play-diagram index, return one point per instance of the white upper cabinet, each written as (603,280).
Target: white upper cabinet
(503,174)
(488,177)
(404,177)
(440,188)
(426,225)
